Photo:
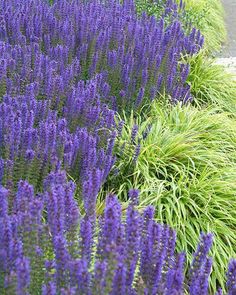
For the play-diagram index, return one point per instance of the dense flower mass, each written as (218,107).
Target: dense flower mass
(65,69)
(139,57)
(48,246)
(35,140)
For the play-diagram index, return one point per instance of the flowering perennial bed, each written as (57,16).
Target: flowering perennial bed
(65,70)
(48,246)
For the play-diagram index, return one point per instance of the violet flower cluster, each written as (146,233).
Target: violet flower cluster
(48,247)
(138,57)
(66,68)
(64,71)
(49,118)
(35,140)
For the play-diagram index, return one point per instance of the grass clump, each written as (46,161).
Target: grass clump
(211,84)
(186,169)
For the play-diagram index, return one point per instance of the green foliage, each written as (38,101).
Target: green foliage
(155,8)
(211,84)
(208,16)
(187,170)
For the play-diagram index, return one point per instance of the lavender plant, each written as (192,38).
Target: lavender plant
(60,251)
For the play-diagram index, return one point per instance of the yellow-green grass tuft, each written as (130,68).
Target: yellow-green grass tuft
(187,170)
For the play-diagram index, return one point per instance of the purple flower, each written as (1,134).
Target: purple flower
(7,239)
(65,70)
(90,189)
(86,238)
(136,152)
(175,277)
(120,127)
(134,133)
(3,201)
(139,97)
(62,258)
(132,235)
(1,170)
(119,280)
(111,226)
(23,275)
(80,277)
(231,277)
(117,255)
(99,280)
(49,289)
(203,280)
(147,243)
(199,261)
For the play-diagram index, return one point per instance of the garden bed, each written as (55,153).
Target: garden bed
(117,148)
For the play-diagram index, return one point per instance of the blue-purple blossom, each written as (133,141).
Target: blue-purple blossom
(23,275)
(64,71)
(231,275)
(64,43)
(86,238)
(49,289)
(175,277)
(116,255)
(4,202)
(200,259)
(49,144)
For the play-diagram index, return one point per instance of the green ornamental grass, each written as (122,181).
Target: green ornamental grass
(208,16)
(186,169)
(211,84)
(187,164)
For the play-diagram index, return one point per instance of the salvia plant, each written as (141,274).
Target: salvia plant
(34,140)
(64,67)
(49,247)
(64,71)
(138,56)
(172,10)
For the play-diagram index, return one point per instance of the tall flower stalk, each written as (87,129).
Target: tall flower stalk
(115,254)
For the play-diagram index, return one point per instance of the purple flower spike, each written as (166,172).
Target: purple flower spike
(86,235)
(139,97)
(1,170)
(114,256)
(231,278)
(119,280)
(3,201)
(134,196)
(49,289)
(175,277)
(134,133)
(23,275)
(133,222)
(65,69)
(199,262)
